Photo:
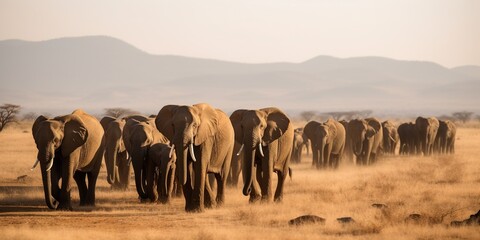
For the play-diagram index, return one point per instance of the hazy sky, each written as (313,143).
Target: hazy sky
(443,31)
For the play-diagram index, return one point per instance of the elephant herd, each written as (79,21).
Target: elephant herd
(363,140)
(196,150)
(183,150)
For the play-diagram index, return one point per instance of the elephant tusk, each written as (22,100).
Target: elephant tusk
(50,164)
(239,151)
(192,153)
(129,162)
(261,150)
(172,148)
(34,165)
(391,138)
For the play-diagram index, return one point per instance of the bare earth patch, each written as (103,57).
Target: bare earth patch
(439,189)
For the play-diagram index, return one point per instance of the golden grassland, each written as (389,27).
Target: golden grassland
(440,188)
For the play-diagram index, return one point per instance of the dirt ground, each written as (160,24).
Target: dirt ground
(439,188)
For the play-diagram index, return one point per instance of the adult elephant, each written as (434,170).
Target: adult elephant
(390,137)
(297,146)
(365,137)
(409,138)
(161,165)
(236,165)
(203,140)
(328,142)
(69,147)
(445,139)
(270,131)
(116,155)
(427,129)
(139,134)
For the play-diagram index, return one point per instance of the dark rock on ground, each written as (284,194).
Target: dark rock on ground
(379,205)
(472,220)
(345,220)
(306,219)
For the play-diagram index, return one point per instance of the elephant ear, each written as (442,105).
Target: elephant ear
(309,129)
(277,124)
(158,137)
(75,133)
(236,119)
(370,132)
(163,121)
(374,123)
(208,122)
(36,124)
(106,121)
(332,129)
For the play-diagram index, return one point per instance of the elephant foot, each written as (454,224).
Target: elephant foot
(194,209)
(254,198)
(278,199)
(64,207)
(220,202)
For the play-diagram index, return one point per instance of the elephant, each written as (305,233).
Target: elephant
(236,165)
(427,129)
(297,147)
(116,155)
(271,132)
(161,165)
(445,139)
(69,147)
(390,137)
(365,139)
(328,142)
(409,139)
(203,139)
(139,134)
(306,142)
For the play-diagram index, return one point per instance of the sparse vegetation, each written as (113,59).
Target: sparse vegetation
(463,116)
(119,112)
(439,189)
(8,114)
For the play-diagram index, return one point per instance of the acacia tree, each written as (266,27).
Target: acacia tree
(463,116)
(307,115)
(8,114)
(119,112)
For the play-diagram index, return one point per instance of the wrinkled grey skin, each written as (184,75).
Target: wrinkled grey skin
(328,142)
(390,137)
(161,165)
(203,139)
(445,139)
(139,134)
(409,139)
(427,130)
(268,131)
(74,145)
(365,139)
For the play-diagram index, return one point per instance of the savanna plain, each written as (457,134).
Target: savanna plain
(439,188)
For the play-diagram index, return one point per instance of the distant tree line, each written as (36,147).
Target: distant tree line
(8,114)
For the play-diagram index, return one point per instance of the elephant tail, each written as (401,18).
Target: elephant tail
(290,173)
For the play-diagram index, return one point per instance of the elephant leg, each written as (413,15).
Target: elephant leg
(80,178)
(209,193)
(255,193)
(281,180)
(314,157)
(198,197)
(221,184)
(124,174)
(92,181)
(67,177)
(267,171)
(188,190)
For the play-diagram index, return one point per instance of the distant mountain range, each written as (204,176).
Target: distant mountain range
(96,72)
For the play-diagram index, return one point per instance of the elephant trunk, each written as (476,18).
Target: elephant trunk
(47,180)
(358,147)
(111,153)
(182,154)
(139,163)
(248,168)
(322,154)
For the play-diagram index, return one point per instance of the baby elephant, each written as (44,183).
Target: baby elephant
(160,172)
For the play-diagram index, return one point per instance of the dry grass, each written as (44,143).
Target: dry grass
(440,188)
